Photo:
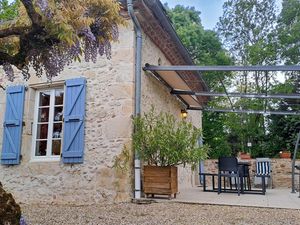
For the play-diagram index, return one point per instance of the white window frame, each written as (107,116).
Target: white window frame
(48,156)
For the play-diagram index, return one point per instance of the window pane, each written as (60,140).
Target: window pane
(57,128)
(49,123)
(56,146)
(41,148)
(43,115)
(58,114)
(42,131)
(59,97)
(44,98)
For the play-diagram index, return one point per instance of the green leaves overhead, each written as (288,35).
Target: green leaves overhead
(8,11)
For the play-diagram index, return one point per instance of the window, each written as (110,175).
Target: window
(48,124)
(49,128)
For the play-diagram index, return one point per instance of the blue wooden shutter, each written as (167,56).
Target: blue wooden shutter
(74,111)
(12,126)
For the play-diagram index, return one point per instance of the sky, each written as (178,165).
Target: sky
(210,10)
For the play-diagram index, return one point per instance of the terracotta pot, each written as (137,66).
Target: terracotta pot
(245,155)
(285,155)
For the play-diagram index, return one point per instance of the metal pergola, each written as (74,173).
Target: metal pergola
(157,71)
(220,68)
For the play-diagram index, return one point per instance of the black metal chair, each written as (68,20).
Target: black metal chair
(228,167)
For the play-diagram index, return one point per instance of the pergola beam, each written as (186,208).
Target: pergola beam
(220,68)
(296,113)
(179,93)
(238,95)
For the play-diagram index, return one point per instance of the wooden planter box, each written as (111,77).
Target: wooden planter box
(160,180)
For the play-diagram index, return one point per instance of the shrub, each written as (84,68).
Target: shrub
(161,140)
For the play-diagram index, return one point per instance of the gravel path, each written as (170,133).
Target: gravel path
(158,213)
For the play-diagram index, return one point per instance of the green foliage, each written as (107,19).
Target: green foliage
(123,161)
(215,135)
(204,46)
(68,20)
(248,30)
(162,141)
(8,11)
(289,31)
(283,129)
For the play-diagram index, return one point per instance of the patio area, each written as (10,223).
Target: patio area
(274,198)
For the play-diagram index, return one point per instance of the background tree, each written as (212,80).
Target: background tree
(247,29)
(205,48)
(284,129)
(289,31)
(250,33)
(49,34)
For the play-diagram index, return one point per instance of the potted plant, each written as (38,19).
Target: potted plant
(162,143)
(244,155)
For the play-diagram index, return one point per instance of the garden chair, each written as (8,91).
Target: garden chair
(228,167)
(263,168)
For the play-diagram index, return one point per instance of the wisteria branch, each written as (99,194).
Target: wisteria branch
(13,31)
(16,60)
(47,46)
(33,15)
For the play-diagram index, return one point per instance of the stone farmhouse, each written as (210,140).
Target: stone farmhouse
(60,139)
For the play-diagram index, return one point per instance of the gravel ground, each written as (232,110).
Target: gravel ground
(158,213)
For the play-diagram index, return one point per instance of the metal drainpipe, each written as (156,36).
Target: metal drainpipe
(137,108)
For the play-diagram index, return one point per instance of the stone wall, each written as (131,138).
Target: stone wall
(109,107)
(154,93)
(281,171)
(108,127)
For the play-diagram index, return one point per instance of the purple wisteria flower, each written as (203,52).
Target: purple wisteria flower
(22,221)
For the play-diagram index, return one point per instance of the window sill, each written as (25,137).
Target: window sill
(45,159)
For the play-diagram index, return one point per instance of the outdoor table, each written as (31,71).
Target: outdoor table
(245,170)
(245,174)
(245,165)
